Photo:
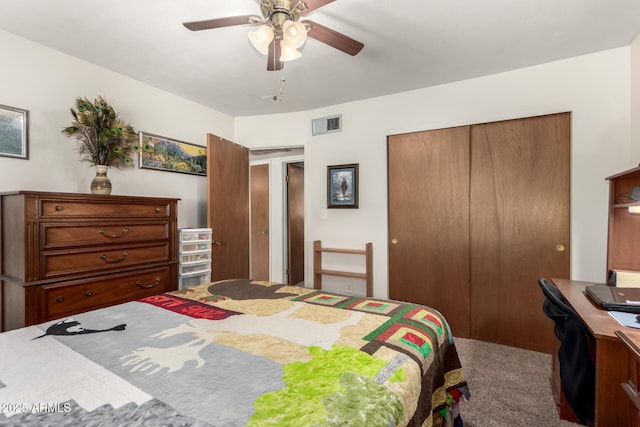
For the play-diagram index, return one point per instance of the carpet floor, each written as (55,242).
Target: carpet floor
(509,386)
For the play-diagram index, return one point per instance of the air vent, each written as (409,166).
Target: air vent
(326,125)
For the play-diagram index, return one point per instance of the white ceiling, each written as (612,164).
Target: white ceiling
(409,44)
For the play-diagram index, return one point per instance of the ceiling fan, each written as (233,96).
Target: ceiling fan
(281,31)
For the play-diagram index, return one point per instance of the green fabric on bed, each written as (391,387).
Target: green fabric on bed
(341,380)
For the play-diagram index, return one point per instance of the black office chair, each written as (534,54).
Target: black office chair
(577,369)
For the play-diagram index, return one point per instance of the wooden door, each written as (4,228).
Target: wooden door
(228,207)
(519,226)
(260,222)
(429,222)
(295,223)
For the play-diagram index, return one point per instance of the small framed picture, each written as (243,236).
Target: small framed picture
(342,186)
(167,154)
(13,132)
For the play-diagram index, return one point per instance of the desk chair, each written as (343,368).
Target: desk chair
(577,369)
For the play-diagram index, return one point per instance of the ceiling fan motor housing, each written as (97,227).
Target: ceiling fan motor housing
(280,11)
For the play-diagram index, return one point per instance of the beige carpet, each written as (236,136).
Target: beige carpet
(509,386)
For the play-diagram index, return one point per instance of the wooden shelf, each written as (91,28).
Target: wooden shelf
(623,247)
(342,274)
(625,205)
(318,271)
(344,251)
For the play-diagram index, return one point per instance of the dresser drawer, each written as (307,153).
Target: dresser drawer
(64,234)
(78,296)
(61,208)
(78,261)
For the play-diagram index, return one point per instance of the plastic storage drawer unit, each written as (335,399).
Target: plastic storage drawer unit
(195,257)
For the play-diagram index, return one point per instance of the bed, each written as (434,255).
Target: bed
(235,353)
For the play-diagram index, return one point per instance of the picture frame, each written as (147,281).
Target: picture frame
(14,135)
(342,186)
(168,154)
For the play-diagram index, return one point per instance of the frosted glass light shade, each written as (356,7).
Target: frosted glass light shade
(261,38)
(294,33)
(287,52)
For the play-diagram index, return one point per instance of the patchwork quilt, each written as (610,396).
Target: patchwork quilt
(235,353)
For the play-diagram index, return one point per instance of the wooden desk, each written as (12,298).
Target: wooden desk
(612,357)
(631,339)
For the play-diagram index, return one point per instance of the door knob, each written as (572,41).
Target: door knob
(560,247)
(394,241)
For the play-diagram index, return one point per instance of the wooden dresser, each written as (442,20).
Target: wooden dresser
(63,253)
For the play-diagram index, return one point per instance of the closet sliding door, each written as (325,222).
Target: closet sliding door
(429,221)
(476,215)
(519,226)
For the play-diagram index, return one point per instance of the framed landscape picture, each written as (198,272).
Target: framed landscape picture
(342,186)
(13,132)
(166,154)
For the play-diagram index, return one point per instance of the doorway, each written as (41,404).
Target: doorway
(285,229)
(295,223)
(259,226)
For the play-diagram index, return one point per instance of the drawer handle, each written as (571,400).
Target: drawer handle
(88,293)
(158,210)
(125,230)
(106,258)
(60,299)
(156,283)
(59,208)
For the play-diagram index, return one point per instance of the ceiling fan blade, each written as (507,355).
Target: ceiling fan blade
(273,60)
(315,4)
(333,38)
(221,22)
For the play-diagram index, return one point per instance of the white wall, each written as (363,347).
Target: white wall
(599,89)
(635,101)
(46,82)
(595,88)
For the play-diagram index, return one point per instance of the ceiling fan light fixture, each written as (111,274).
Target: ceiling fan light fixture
(261,38)
(288,52)
(295,33)
(280,22)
